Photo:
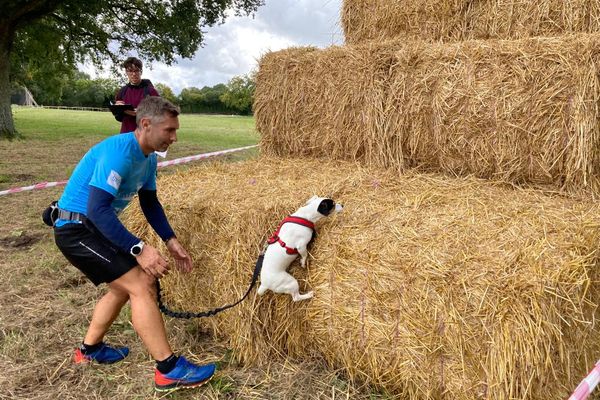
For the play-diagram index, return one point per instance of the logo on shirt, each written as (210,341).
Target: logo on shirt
(114,179)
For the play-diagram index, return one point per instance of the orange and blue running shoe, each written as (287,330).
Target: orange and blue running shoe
(184,375)
(104,355)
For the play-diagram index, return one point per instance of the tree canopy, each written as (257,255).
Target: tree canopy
(205,100)
(166,92)
(48,37)
(239,94)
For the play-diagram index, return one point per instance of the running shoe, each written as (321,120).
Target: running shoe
(104,355)
(184,375)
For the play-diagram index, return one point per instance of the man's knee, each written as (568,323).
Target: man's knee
(136,283)
(119,293)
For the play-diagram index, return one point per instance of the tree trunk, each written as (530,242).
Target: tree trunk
(7,127)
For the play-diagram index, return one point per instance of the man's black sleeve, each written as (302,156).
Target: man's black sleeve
(155,214)
(104,217)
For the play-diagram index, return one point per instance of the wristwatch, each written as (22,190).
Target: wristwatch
(137,248)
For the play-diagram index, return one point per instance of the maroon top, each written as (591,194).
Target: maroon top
(133,95)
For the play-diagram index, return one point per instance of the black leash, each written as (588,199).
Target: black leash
(187,315)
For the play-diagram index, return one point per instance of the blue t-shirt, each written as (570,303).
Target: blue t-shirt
(116,165)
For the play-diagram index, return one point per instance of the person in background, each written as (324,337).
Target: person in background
(90,235)
(133,93)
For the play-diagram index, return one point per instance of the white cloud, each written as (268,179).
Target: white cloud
(234,48)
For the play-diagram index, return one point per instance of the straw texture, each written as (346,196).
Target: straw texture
(310,102)
(427,286)
(523,111)
(457,20)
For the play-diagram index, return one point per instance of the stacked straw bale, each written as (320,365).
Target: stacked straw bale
(523,111)
(428,286)
(457,20)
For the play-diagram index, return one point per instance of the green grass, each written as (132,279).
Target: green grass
(211,131)
(53,141)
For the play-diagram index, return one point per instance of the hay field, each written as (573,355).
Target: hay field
(522,111)
(457,20)
(426,286)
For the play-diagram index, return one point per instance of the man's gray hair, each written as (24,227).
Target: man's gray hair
(155,108)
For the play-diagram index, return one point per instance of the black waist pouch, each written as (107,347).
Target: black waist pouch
(50,214)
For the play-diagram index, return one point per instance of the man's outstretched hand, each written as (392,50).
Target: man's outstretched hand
(183,261)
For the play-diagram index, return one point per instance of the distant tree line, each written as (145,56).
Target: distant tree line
(79,90)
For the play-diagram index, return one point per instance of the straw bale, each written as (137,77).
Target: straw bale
(380,20)
(310,103)
(457,20)
(428,286)
(524,111)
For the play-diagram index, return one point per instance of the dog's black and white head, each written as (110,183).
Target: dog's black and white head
(318,207)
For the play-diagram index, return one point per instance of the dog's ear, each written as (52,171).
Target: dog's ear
(314,197)
(326,206)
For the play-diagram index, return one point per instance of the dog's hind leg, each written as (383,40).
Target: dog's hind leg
(297,296)
(261,290)
(289,285)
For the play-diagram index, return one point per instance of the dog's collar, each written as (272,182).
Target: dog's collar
(296,220)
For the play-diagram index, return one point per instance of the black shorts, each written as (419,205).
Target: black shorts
(92,253)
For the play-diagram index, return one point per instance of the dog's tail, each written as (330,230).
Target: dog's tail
(261,290)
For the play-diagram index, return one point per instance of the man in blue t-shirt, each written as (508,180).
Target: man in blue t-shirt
(88,232)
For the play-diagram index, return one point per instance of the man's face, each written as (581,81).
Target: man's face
(134,74)
(161,134)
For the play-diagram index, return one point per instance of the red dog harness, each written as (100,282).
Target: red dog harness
(296,220)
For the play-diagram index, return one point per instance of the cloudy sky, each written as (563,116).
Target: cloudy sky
(233,48)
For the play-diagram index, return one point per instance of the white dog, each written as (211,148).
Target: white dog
(290,239)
